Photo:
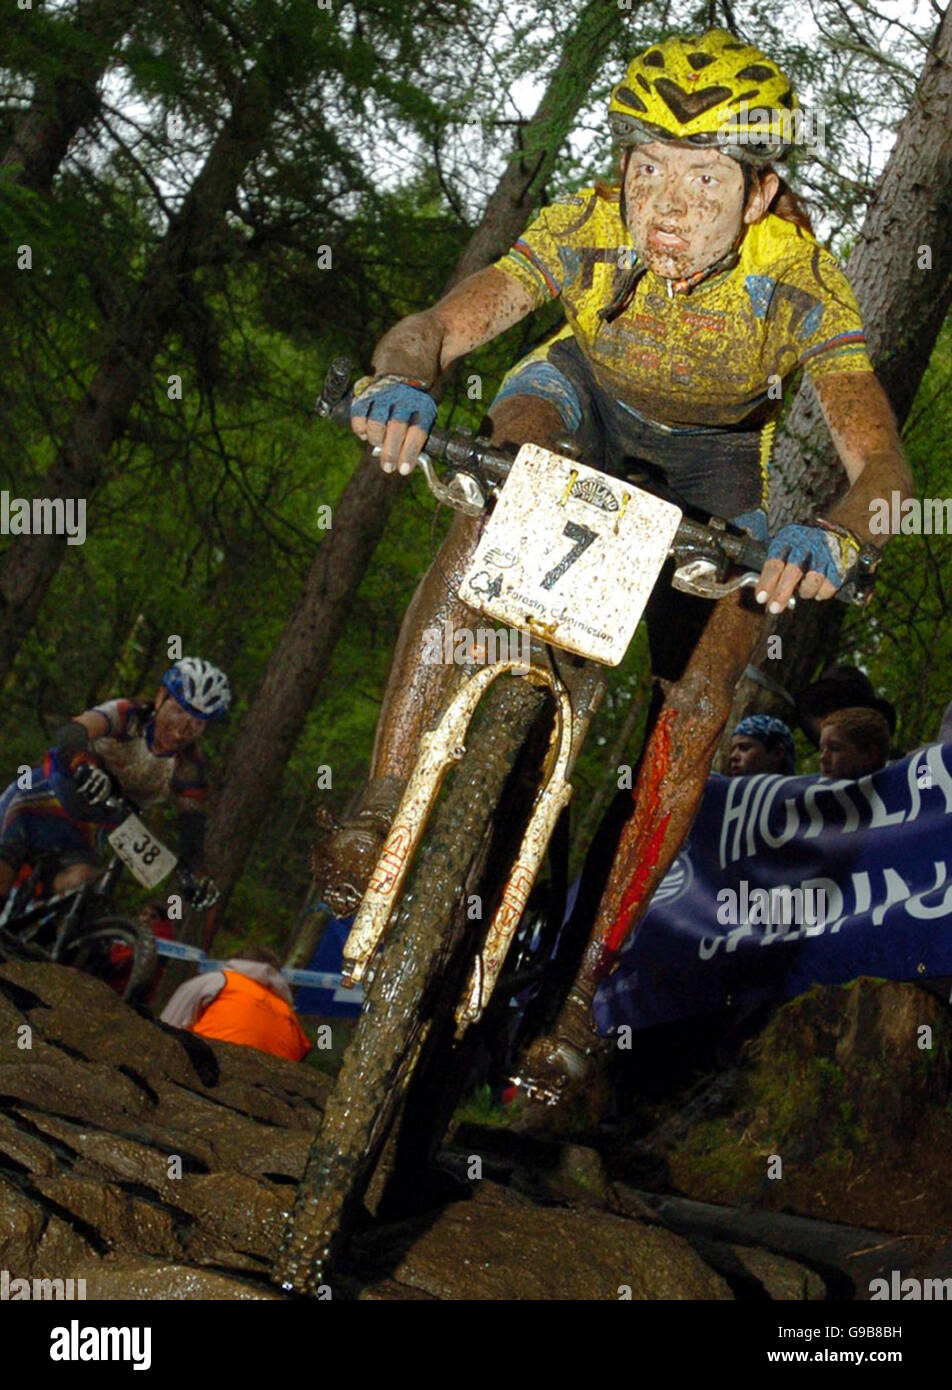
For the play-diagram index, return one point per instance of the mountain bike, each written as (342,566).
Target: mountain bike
(570,555)
(77,927)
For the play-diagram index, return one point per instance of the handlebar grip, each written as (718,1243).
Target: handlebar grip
(335,389)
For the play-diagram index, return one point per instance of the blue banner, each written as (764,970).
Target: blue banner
(785,882)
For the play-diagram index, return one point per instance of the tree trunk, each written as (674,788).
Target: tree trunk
(273,722)
(132,341)
(62,107)
(903,308)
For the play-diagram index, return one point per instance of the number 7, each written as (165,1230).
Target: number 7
(583,538)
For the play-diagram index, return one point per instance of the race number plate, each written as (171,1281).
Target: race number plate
(571,554)
(141,852)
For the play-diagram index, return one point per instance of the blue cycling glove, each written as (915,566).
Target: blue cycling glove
(829,550)
(385,398)
(754,523)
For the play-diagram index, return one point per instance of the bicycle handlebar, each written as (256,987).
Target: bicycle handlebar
(714,545)
(124,806)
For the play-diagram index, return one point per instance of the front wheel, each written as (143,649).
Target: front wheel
(416,983)
(120,953)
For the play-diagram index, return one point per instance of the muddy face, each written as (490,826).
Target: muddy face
(175,728)
(685,207)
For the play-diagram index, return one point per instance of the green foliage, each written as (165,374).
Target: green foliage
(394,124)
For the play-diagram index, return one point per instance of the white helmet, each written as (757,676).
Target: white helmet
(199,687)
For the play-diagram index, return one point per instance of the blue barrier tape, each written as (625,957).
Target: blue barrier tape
(317,979)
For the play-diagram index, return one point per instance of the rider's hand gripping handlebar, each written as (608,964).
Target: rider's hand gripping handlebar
(705,555)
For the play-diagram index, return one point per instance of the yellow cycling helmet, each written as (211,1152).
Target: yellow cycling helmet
(713,90)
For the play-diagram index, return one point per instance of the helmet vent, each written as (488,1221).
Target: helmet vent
(686,105)
(756,72)
(626,95)
(654,59)
(701,60)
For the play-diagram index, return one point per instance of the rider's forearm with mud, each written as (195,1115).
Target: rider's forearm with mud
(863,428)
(422,346)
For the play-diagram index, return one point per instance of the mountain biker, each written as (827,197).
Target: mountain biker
(693,290)
(145,750)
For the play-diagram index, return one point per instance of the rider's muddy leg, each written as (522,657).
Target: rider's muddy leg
(674,769)
(418,689)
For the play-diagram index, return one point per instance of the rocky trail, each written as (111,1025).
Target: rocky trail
(156,1165)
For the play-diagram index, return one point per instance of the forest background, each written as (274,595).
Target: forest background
(201,204)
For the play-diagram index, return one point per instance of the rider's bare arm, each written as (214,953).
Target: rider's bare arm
(73,739)
(863,428)
(480,307)
(95,724)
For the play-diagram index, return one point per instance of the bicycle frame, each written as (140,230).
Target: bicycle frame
(37,915)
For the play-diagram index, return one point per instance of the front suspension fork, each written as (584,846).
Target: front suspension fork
(440,749)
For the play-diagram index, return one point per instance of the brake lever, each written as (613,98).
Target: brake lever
(699,577)
(463,492)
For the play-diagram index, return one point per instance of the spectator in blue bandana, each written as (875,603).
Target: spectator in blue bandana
(761,743)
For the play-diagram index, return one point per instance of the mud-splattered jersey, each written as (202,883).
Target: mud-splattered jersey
(145,776)
(714,356)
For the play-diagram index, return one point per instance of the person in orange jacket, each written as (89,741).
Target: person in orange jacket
(247,1002)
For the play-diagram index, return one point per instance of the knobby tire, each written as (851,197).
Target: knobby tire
(88,945)
(415,986)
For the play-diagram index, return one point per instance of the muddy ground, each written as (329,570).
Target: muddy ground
(157,1165)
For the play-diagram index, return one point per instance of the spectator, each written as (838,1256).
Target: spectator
(853,743)
(247,1002)
(761,744)
(839,687)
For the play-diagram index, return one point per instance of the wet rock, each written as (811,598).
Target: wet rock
(837,1110)
(20,1147)
(577,1176)
(32,1240)
(241,1213)
(782,1279)
(120,1144)
(155,1279)
(121,1220)
(85,1017)
(500,1246)
(543,1169)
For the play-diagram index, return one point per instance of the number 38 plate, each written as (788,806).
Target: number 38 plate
(141,852)
(570,553)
